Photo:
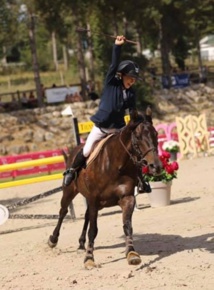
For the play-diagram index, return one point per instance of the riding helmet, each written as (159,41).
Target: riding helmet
(129,68)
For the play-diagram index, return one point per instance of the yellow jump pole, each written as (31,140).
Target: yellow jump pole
(31,163)
(31,180)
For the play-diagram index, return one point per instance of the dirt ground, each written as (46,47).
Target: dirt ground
(176,242)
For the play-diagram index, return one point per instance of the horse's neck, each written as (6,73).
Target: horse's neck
(127,163)
(125,138)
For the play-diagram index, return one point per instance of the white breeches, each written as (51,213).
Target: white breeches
(95,135)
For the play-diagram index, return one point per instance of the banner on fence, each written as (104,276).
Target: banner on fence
(178,81)
(58,94)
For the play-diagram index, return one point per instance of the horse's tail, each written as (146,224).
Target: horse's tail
(65,156)
(70,154)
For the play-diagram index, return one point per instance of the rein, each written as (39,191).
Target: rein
(142,156)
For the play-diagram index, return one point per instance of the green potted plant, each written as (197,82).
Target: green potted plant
(172,147)
(161,184)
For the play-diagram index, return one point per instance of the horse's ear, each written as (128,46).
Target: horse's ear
(149,114)
(134,115)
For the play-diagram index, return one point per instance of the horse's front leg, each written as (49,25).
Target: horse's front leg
(92,233)
(127,204)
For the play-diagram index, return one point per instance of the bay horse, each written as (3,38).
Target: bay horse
(110,180)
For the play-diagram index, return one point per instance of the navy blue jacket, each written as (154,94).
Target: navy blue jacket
(112,106)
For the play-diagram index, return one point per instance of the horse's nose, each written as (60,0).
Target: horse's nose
(155,168)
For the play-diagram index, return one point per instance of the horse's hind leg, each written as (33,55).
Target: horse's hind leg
(68,196)
(82,238)
(127,204)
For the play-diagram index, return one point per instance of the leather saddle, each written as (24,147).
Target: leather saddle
(96,149)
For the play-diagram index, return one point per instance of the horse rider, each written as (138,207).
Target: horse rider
(118,96)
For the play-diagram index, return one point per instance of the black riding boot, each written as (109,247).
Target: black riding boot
(78,163)
(143,186)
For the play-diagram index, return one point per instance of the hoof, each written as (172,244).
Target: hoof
(81,250)
(90,264)
(133,258)
(51,243)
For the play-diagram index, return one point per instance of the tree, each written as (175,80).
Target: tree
(8,26)
(180,51)
(53,15)
(28,16)
(199,23)
(172,26)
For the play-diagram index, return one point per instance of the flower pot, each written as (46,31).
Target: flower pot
(173,156)
(161,193)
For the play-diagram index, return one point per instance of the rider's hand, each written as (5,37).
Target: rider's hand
(120,39)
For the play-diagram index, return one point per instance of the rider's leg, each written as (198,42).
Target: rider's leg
(143,186)
(81,156)
(95,135)
(78,163)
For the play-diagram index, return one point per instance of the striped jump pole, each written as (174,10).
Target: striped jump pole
(31,163)
(4,211)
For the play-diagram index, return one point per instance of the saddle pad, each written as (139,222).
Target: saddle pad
(97,149)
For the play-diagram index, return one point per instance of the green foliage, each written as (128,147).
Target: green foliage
(8,26)
(174,26)
(43,48)
(180,51)
(144,95)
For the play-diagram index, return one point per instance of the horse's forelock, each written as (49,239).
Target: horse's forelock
(140,119)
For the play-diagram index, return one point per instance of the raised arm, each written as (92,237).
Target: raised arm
(116,52)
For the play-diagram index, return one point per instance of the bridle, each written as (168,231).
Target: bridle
(139,158)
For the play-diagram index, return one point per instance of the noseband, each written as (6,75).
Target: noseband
(139,158)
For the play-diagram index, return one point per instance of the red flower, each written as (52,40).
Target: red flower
(164,162)
(169,169)
(166,154)
(145,169)
(174,165)
(162,157)
(168,172)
